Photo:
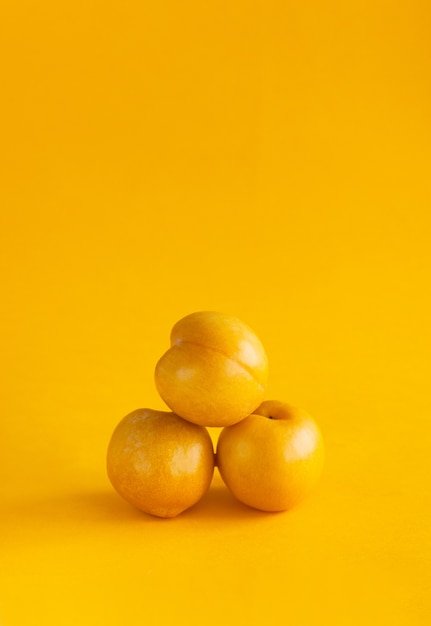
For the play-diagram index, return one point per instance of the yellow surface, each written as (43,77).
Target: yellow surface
(266,159)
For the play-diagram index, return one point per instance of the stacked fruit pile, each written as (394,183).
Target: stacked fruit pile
(215,374)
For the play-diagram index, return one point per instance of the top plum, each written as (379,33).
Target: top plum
(215,372)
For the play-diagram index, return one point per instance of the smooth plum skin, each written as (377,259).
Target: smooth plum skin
(273,459)
(159,462)
(216,371)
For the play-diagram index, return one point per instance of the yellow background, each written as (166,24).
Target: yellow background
(266,159)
